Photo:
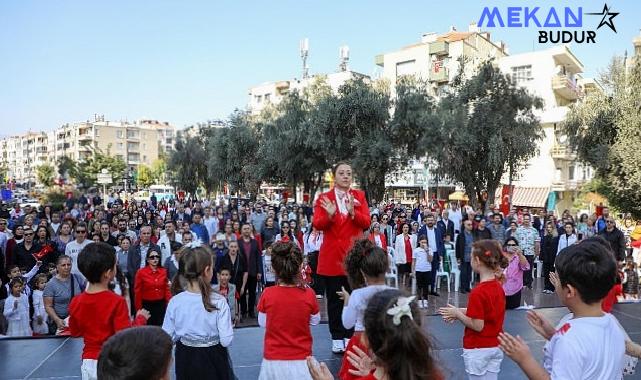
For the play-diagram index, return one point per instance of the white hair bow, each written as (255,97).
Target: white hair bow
(195,244)
(401,309)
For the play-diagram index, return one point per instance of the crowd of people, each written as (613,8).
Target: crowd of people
(198,268)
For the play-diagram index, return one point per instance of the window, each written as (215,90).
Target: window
(144,146)
(120,146)
(571,172)
(521,74)
(405,68)
(267,97)
(121,134)
(97,131)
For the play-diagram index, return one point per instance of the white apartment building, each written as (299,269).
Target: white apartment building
(274,92)
(137,143)
(436,57)
(553,177)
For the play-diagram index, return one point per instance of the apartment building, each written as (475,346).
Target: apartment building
(552,178)
(137,143)
(435,58)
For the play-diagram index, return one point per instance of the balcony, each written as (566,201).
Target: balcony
(565,87)
(439,74)
(568,185)
(439,48)
(85,137)
(561,152)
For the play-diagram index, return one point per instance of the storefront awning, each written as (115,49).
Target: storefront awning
(530,196)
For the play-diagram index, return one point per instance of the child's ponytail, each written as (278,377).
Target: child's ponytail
(191,268)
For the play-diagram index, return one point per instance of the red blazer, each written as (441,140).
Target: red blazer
(383,240)
(339,232)
(151,286)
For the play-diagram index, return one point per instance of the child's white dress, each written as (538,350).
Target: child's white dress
(18,318)
(39,311)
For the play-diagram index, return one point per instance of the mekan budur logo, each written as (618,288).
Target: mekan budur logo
(556,19)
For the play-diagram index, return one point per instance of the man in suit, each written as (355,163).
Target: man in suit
(249,248)
(137,257)
(464,242)
(342,214)
(435,242)
(446,225)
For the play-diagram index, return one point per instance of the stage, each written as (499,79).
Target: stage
(59,358)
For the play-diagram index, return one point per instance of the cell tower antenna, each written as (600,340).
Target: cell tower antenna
(343,54)
(304,53)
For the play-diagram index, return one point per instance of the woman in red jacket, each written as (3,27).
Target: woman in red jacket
(342,214)
(377,237)
(151,289)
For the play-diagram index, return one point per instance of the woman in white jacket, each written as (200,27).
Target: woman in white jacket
(403,247)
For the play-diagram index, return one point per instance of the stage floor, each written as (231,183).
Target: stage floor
(59,358)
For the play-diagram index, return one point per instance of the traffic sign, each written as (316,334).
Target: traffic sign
(104,178)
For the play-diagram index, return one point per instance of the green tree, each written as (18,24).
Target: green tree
(232,154)
(45,174)
(187,161)
(486,124)
(65,166)
(144,177)
(84,173)
(604,130)
(159,170)
(288,152)
(362,133)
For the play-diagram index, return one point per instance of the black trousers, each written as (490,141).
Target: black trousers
(513,301)
(422,283)
(435,266)
(527,275)
(466,276)
(333,284)
(547,269)
(250,292)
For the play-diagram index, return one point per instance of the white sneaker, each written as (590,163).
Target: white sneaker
(338,346)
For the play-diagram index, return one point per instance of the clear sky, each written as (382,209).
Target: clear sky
(189,61)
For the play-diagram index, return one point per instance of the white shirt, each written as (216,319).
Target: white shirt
(431,238)
(187,318)
(423,259)
(212,226)
(313,242)
(565,241)
(590,348)
(456,217)
(353,312)
(341,200)
(72,250)
(270,275)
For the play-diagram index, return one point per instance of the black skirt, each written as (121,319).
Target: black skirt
(157,310)
(513,301)
(195,363)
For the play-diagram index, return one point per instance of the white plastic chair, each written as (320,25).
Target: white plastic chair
(539,268)
(441,273)
(392,273)
(454,270)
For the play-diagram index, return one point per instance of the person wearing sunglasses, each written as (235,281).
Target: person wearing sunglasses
(74,247)
(151,288)
(24,251)
(615,237)
(517,264)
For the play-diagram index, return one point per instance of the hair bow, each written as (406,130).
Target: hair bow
(195,244)
(488,253)
(401,309)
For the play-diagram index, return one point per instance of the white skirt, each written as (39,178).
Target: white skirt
(478,361)
(284,369)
